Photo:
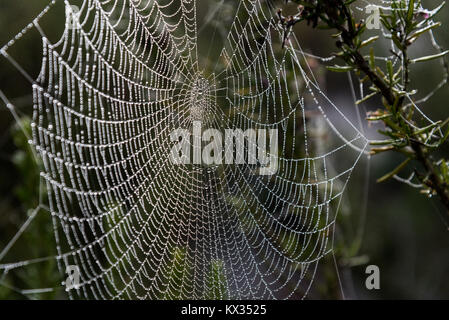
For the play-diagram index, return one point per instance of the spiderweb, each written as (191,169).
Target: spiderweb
(126,73)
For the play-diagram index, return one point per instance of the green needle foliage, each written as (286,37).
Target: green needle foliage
(405,130)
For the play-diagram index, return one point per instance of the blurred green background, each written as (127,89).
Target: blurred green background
(400,230)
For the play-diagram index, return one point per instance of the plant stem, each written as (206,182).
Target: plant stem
(336,14)
(432,179)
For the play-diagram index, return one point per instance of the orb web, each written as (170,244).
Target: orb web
(126,73)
